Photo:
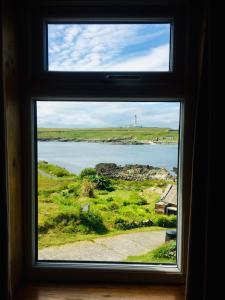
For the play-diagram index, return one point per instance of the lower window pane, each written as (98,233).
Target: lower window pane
(107,181)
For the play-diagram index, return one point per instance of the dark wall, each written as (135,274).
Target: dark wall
(10,154)
(11,253)
(199,285)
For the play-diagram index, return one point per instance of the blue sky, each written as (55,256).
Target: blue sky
(106,114)
(108,47)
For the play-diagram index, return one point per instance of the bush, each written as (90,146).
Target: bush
(141,201)
(87,188)
(113,206)
(65,218)
(125,224)
(72,221)
(87,172)
(109,199)
(101,182)
(93,222)
(165,221)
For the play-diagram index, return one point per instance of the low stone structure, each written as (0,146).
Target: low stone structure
(132,172)
(168,201)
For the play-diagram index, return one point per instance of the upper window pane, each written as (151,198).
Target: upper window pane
(108,47)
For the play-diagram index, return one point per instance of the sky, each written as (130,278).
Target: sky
(65,114)
(108,47)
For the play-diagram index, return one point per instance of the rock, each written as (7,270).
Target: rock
(132,172)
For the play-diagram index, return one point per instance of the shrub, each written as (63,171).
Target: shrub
(72,221)
(125,224)
(93,221)
(165,221)
(101,182)
(64,193)
(68,217)
(87,188)
(70,229)
(102,192)
(109,199)
(141,201)
(113,206)
(87,172)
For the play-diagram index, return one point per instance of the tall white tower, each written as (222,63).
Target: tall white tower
(135,121)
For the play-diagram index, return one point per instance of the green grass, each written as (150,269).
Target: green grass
(139,134)
(62,219)
(53,170)
(163,254)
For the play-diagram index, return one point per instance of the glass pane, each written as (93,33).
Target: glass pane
(107,181)
(108,47)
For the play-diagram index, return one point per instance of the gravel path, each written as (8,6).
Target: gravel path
(116,248)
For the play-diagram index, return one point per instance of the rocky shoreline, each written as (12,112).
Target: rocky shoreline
(114,141)
(132,172)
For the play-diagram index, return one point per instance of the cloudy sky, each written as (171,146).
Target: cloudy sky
(108,47)
(106,114)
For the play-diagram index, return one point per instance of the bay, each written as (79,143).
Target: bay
(75,156)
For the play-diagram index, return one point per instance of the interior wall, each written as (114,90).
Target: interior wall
(3,193)
(12,141)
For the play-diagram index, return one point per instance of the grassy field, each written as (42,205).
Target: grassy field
(73,208)
(164,135)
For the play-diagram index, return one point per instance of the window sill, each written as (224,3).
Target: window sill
(39,291)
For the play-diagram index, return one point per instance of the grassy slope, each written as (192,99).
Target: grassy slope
(60,217)
(144,134)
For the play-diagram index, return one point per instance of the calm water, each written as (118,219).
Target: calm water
(76,156)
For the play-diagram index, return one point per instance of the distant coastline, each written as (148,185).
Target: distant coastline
(119,136)
(109,141)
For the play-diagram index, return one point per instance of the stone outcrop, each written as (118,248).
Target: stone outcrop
(132,172)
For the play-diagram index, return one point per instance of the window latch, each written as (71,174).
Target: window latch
(122,77)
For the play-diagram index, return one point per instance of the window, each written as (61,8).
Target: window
(107,181)
(101,98)
(108,47)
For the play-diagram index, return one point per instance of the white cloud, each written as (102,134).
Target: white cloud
(107,47)
(106,114)
(71,33)
(157,59)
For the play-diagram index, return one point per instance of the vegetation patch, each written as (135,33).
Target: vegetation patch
(163,254)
